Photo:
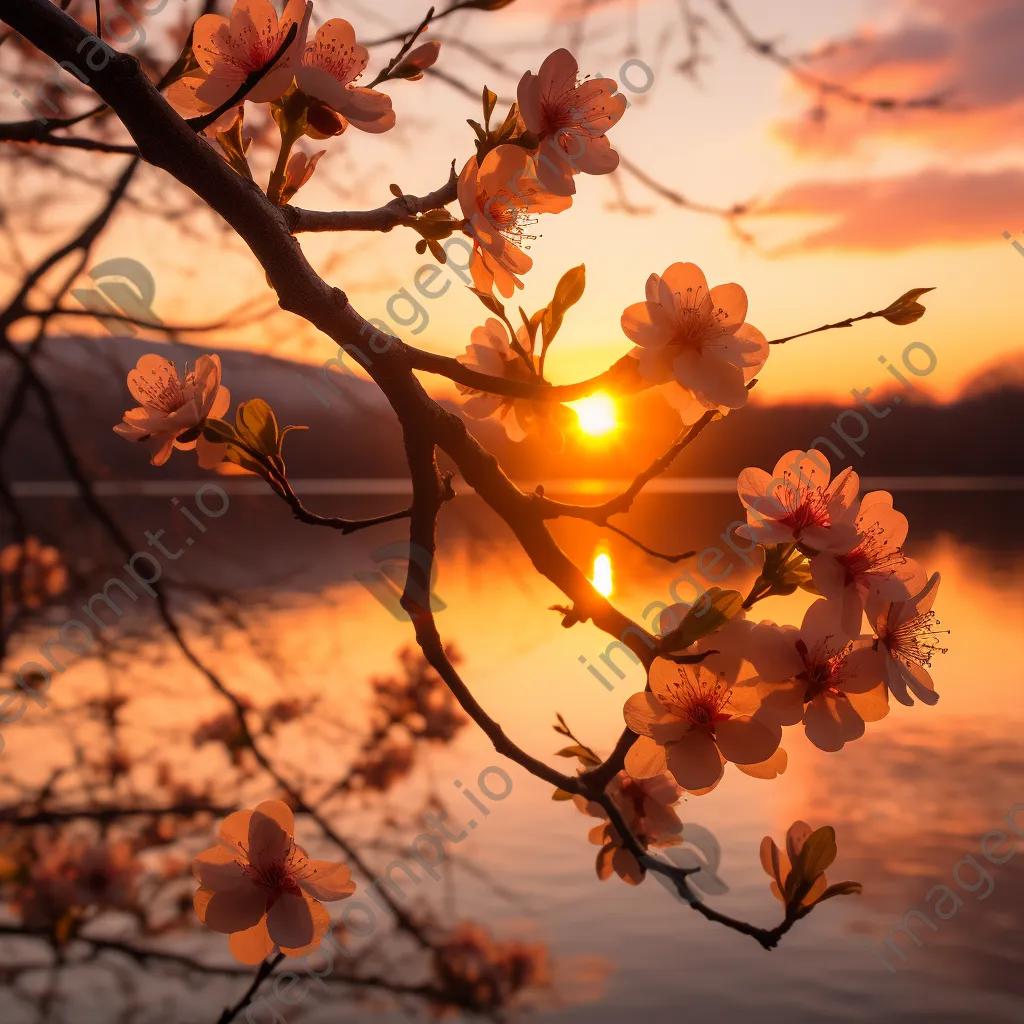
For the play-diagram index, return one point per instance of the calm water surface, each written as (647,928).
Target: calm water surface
(908,801)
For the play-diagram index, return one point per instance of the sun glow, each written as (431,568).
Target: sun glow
(602,576)
(597,415)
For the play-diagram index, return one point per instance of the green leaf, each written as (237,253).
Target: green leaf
(712,611)
(817,855)
(489,99)
(235,147)
(586,756)
(257,426)
(239,458)
(285,431)
(489,301)
(840,889)
(906,309)
(508,126)
(568,292)
(219,432)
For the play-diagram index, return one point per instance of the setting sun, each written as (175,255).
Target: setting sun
(602,578)
(596,414)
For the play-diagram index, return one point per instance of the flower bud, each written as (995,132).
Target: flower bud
(417,61)
(906,309)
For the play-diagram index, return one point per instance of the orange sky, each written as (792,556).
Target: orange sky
(867,204)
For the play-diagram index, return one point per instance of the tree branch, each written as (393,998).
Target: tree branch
(384,218)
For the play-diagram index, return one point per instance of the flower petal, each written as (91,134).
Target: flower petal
(252,945)
(270,831)
(647,324)
(681,278)
(219,868)
(234,830)
(694,761)
(645,759)
(234,910)
(326,881)
(731,300)
(290,921)
(747,740)
(710,378)
(771,768)
(772,651)
(872,705)
(829,723)
(321,922)
(151,373)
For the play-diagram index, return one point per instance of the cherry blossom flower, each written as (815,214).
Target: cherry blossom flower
(500,198)
(106,876)
(329,66)
(874,565)
(64,879)
(908,641)
(173,411)
(695,341)
(383,765)
(419,699)
(228,51)
(491,353)
(487,974)
(44,893)
(260,888)
(570,118)
(31,574)
(691,724)
(778,863)
(815,675)
(798,504)
(646,805)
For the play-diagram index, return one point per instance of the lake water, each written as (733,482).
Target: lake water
(909,801)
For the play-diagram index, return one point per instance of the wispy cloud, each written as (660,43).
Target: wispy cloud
(931,207)
(972,51)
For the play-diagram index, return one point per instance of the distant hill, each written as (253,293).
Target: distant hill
(357,434)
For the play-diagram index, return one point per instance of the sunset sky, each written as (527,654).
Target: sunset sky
(863,205)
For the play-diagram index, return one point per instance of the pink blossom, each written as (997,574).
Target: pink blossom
(259,887)
(229,51)
(570,118)
(330,65)
(798,504)
(908,640)
(691,724)
(172,410)
(695,341)
(815,674)
(874,565)
(500,198)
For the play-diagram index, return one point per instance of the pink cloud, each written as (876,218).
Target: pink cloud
(969,51)
(931,207)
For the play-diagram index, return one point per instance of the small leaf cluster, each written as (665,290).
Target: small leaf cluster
(254,442)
